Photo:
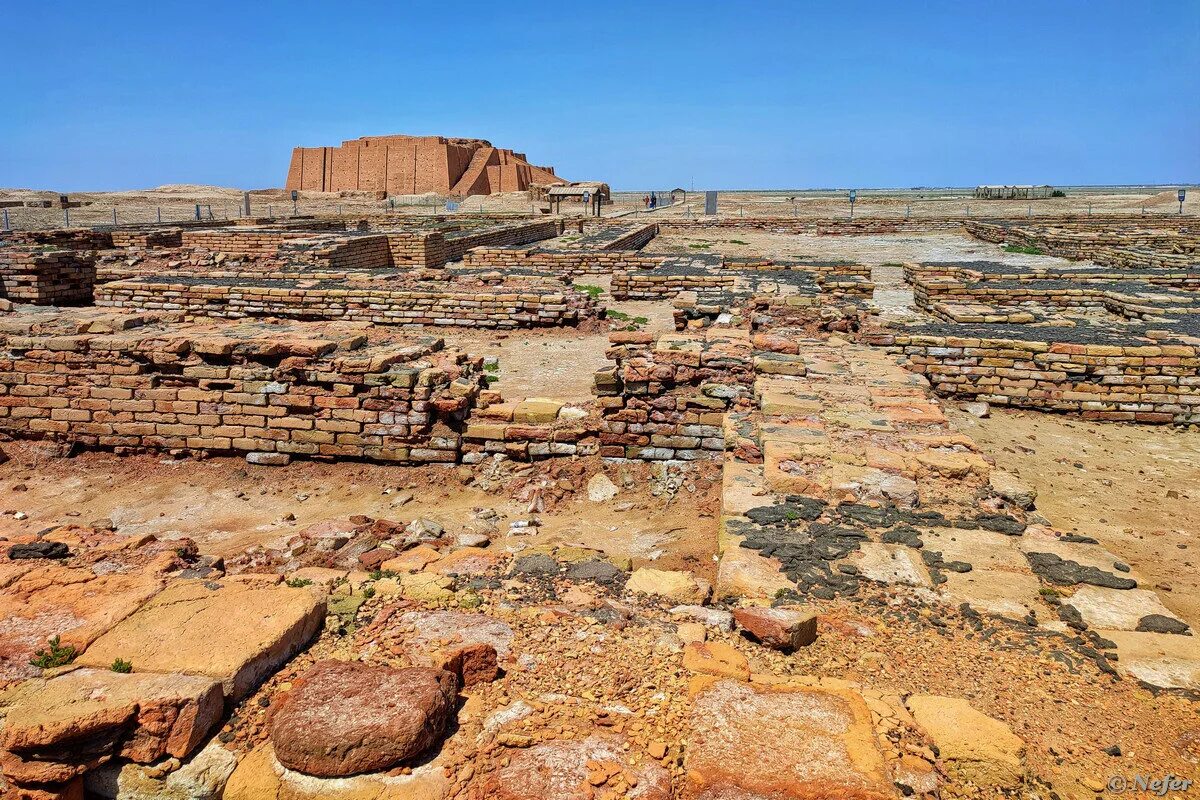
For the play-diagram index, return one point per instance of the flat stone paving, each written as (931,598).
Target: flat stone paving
(856,433)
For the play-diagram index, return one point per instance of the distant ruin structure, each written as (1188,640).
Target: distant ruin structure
(1013,192)
(398,165)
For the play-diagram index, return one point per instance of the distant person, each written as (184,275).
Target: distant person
(653,200)
(646,200)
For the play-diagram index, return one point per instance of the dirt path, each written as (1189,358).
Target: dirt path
(226,505)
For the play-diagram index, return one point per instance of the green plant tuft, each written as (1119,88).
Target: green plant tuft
(56,655)
(1024,249)
(122,666)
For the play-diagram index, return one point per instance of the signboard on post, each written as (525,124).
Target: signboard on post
(1182,196)
(452,205)
(710,203)
(853,197)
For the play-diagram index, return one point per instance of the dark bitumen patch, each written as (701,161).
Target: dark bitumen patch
(1071,573)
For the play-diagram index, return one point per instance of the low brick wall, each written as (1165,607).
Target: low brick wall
(559,262)
(1109,243)
(457,244)
(237,242)
(382,302)
(46,276)
(168,237)
(667,396)
(1149,383)
(59,238)
(415,248)
(663,284)
(239,389)
(338,252)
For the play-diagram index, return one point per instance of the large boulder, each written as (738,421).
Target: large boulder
(753,742)
(347,717)
(58,728)
(237,632)
(971,745)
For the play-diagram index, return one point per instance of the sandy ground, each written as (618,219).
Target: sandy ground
(879,249)
(1135,488)
(177,202)
(226,505)
(558,363)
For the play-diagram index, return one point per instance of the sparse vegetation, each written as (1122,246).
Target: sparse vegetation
(298,583)
(56,654)
(700,245)
(378,574)
(737,241)
(122,666)
(1028,250)
(592,291)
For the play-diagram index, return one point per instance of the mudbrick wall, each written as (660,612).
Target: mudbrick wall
(253,388)
(666,397)
(517,233)
(386,303)
(1125,381)
(560,262)
(46,275)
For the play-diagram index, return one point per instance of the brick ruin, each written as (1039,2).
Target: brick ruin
(1113,341)
(400,165)
(837,478)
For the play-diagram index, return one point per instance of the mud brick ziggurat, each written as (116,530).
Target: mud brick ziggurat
(400,165)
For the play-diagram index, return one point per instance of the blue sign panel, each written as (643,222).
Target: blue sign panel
(853,195)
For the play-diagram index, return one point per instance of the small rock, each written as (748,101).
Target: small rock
(980,410)
(779,628)
(269,459)
(600,488)
(40,549)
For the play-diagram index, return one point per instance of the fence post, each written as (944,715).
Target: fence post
(209,207)
(114,215)
(67,217)
(7,227)
(197,212)
(270,213)
(159,209)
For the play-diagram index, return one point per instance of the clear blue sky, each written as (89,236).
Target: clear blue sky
(115,95)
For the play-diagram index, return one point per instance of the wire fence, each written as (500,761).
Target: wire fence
(99,215)
(670,203)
